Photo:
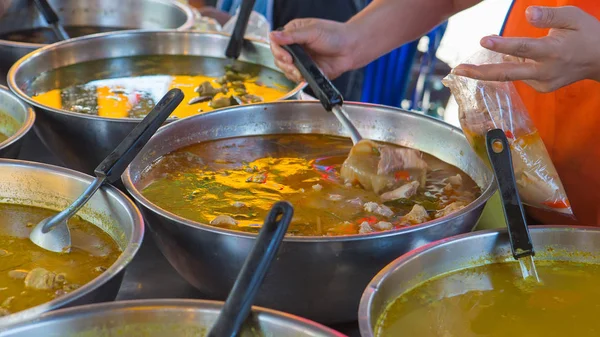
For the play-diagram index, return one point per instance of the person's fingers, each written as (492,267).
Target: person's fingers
(567,17)
(280,54)
(498,72)
(530,48)
(300,31)
(289,71)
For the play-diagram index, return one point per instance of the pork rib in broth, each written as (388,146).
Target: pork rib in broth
(232,183)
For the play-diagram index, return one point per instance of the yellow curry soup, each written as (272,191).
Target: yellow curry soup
(232,183)
(30,275)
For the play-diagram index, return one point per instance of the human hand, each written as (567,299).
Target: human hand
(569,53)
(329,43)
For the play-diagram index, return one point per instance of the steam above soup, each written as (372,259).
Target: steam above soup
(232,183)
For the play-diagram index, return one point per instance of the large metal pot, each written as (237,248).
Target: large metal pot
(320,278)
(564,243)
(81,141)
(16,120)
(158,318)
(117,14)
(34,184)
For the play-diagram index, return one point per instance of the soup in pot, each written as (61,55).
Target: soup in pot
(30,275)
(130,87)
(495,301)
(232,183)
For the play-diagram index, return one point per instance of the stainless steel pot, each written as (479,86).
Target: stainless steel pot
(564,243)
(158,318)
(16,120)
(119,14)
(34,184)
(320,278)
(81,141)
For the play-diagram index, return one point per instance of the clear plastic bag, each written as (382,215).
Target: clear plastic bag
(485,105)
(258,26)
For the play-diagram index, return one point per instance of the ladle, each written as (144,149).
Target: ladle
(522,249)
(322,87)
(239,302)
(53,233)
(236,42)
(52,19)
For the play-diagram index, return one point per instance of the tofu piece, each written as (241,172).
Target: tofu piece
(40,279)
(365,228)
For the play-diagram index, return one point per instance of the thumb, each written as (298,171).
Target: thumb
(300,31)
(566,17)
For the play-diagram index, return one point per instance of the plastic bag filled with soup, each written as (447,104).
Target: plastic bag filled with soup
(485,105)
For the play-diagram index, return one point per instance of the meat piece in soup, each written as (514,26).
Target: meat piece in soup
(232,183)
(495,301)
(30,275)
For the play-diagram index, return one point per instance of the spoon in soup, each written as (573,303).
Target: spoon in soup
(239,302)
(498,151)
(53,233)
(395,171)
(52,19)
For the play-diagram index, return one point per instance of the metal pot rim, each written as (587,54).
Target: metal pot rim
(27,124)
(181,303)
(11,77)
(122,261)
(367,297)
(189,23)
(139,198)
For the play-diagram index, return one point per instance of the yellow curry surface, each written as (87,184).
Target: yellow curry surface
(130,87)
(30,275)
(232,183)
(495,301)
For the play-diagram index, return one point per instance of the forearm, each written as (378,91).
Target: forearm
(387,24)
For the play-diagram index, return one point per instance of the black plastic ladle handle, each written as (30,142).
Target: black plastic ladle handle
(117,161)
(240,299)
(499,154)
(322,87)
(236,42)
(47,12)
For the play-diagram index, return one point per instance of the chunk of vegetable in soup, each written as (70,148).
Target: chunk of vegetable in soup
(30,275)
(495,301)
(232,183)
(142,82)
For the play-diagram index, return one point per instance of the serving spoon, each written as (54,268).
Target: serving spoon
(52,19)
(236,42)
(53,233)
(498,151)
(239,302)
(326,92)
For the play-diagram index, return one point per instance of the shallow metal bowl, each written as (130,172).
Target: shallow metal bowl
(580,244)
(117,14)
(16,120)
(320,278)
(51,187)
(81,141)
(159,318)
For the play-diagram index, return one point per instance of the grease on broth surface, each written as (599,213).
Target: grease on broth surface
(30,275)
(232,183)
(494,301)
(130,87)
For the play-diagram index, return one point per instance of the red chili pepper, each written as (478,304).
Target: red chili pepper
(402,175)
(371,220)
(509,134)
(558,204)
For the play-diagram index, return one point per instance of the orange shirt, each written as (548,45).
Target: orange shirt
(568,121)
